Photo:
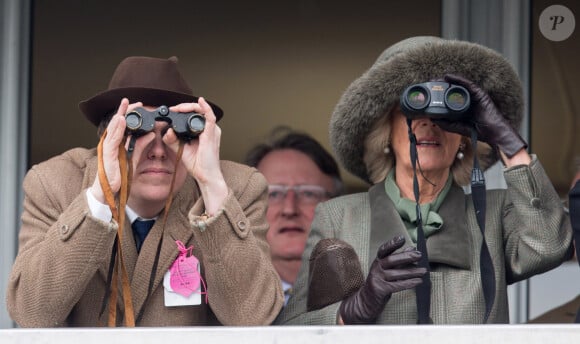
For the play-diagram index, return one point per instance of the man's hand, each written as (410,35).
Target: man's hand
(201,156)
(111,142)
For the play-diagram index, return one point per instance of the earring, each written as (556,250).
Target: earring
(387,149)
(460,154)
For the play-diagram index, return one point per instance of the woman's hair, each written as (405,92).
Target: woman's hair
(378,163)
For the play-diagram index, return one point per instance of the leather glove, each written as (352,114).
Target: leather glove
(334,273)
(389,273)
(491,125)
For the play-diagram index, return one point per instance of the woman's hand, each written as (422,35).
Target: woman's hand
(390,273)
(491,125)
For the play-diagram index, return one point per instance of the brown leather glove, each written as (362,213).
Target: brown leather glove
(389,273)
(491,125)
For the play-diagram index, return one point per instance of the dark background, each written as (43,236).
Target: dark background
(266,63)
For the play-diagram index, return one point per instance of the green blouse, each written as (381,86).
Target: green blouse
(432,222)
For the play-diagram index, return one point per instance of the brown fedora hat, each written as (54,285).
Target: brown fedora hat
(149,80)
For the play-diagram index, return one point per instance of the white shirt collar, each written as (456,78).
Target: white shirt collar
(132,215)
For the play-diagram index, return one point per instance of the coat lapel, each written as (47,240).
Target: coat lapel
(129,249)
(450,245)
(386,222)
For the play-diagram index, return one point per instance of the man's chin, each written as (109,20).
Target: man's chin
(154,195)
(292,253)
(292,257)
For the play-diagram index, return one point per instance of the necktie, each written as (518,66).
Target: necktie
(140,230)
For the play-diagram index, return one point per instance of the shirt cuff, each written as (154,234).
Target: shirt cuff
(98,210)
(203,221)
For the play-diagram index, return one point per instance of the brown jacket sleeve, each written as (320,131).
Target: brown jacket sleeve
(238,267)
(60,246)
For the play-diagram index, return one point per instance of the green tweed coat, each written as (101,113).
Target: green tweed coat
(527,232)
(58,278)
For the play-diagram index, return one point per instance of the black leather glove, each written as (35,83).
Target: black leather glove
(491,125)
(389,273)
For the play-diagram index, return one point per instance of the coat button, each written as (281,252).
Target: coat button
(536,202)
(242,225)
(64,229)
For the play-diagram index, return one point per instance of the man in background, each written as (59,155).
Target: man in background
(300,174)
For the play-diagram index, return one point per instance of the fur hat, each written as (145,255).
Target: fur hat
(416,60)
(150,80)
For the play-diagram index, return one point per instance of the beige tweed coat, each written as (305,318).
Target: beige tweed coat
(59,275)
(527,232)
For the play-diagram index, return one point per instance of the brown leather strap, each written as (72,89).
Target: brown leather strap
(109,197)
(118,211)
(126,168)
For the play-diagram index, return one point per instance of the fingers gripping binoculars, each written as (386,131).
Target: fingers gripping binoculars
(435,99)
(187,125)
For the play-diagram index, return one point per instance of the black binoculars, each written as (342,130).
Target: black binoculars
(187,125)
(435,100)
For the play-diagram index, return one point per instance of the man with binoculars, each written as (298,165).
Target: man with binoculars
(197,254)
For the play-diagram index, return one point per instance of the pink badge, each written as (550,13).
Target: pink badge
(184,272)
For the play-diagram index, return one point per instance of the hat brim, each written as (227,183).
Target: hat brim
(105,103)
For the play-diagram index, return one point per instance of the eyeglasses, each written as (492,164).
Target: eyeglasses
(304,194)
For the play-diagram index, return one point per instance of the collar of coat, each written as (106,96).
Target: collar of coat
(451,245)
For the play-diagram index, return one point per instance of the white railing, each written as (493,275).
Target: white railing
(482,334)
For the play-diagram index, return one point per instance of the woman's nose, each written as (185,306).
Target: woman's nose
(425,121)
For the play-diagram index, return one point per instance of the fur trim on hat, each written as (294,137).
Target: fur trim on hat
(411,61)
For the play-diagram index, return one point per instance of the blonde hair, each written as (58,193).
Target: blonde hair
(378,163)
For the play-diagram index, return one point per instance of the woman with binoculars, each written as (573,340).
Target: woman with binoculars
(430,250)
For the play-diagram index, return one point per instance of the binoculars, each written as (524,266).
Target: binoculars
(435,99)
(187,125)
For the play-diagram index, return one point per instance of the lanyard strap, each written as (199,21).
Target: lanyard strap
(423,290)
(479,198)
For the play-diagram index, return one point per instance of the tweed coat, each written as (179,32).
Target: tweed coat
(526,230)
(59,275)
